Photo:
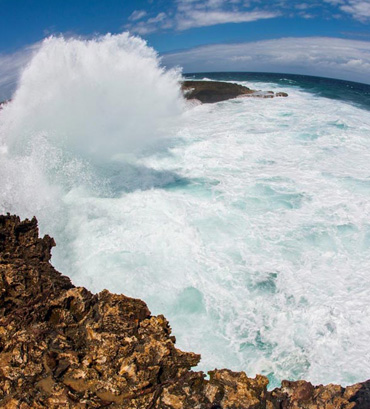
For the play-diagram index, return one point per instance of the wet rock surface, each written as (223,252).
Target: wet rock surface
(64,347)
(216,91)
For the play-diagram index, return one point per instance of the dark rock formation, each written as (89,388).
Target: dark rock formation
(213,91)
(216,91)
(64,347)
(281,94)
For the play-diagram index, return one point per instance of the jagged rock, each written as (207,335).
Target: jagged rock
(64,347)
(281,94)
(302,394)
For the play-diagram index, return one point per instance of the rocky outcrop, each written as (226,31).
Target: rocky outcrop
(217,91)
(64,347)
(281,94)
(213,91)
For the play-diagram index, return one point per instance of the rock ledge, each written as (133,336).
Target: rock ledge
(64,347)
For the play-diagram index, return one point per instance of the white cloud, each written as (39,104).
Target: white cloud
(160,21)
(159,18)
(198,18)
(359,9)
(137,15)
(323,56)
(186,14)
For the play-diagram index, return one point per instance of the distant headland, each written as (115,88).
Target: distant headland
(217,91)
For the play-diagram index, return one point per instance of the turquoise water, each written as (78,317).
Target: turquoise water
(246,222)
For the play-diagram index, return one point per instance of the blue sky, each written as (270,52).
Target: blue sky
(331,37)
(173,25)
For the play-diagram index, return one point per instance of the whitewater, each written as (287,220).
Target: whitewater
(246,222)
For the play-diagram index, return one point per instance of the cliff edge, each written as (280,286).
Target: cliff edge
(64,347)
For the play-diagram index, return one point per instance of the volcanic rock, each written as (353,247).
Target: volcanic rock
(63,347)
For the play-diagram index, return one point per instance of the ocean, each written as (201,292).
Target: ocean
(246,222)
(347,91)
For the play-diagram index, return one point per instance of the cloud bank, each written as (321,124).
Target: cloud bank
(321,56)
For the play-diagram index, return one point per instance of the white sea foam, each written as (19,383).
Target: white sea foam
(248,226)
(80,105)
(95,98)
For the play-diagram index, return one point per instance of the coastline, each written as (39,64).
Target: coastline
(62,346)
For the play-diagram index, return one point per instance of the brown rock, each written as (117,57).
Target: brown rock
(64,347)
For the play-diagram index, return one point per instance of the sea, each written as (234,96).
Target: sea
(245,222)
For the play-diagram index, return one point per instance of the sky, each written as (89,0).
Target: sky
(317,37)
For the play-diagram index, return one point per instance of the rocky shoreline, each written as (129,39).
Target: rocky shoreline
(63,347)
(208,92)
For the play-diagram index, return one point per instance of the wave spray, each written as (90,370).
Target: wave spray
(246,223)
